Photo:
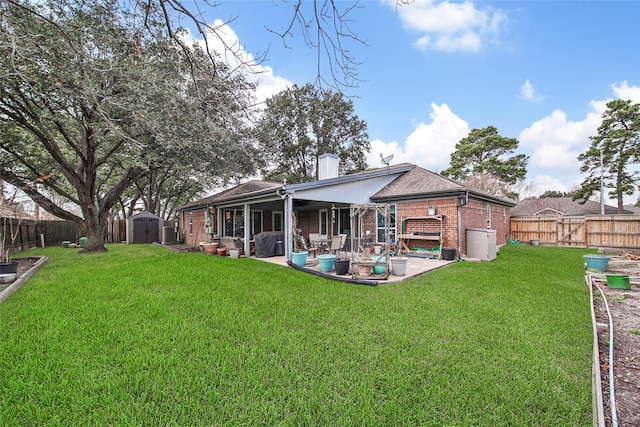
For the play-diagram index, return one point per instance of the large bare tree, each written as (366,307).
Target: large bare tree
(89,105)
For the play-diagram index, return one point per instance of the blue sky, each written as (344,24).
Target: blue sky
(539,71)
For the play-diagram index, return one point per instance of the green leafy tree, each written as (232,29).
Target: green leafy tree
(89,107)
(615,148)
(485,160)
(554,194)
(301,123)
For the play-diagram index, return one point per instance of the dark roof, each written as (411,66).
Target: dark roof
(244,189)
(419,182)
(411,182)
(561,206)
(632,208)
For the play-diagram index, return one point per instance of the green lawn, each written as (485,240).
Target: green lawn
(145,336)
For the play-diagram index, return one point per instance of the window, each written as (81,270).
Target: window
(344,221)
(324,215)
(256,222)
(234,223)
(392,226)
(277,221)
(488,216)
(238,223)
(190,223)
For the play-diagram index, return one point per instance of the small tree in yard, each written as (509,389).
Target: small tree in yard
(613,151)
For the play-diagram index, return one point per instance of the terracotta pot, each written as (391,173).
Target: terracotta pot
(222,251)
(210,248)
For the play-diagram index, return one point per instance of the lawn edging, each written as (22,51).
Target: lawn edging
(20,280)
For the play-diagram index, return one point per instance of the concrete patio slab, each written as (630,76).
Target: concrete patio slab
(416,266)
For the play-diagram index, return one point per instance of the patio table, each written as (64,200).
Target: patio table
(322,244)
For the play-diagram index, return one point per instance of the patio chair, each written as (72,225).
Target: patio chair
(314,243)
(337,244)
(310,248)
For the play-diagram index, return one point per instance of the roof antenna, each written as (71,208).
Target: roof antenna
(386,160)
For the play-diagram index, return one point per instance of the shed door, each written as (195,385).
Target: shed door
(153,231)
(139,230)
(145,230)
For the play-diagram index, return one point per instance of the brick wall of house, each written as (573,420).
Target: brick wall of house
(446,208)
(308,221)
(370,224)
(475,215)
(501,222)
(198,231)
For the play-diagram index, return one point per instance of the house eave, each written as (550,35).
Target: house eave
(344,179)
(260,195)
(449,194)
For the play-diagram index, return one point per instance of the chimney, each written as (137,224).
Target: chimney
(328,166)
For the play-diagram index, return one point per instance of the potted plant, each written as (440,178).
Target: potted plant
(299,255)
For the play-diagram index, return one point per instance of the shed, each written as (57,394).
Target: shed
(144,227)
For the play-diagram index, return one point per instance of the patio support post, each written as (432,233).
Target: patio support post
(288,228)
(219,224)
(247,228)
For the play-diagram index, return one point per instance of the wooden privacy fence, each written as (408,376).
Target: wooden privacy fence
(591,231)
(29,233)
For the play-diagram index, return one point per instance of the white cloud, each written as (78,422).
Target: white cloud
(449,26)
(528,92)
(544,183)
(222,39)
(624,91)
(556,142)
(429,145)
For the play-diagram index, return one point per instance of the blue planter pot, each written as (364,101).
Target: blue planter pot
(379,269)
(299,258)
(597,262)
(326,262)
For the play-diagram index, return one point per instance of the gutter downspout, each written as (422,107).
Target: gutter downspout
(459,231)
(288,226)
(466,200)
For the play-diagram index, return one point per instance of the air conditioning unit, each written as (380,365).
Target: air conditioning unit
(481,244)
(169,235)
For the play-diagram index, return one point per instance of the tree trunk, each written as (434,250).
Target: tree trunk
(94,230)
